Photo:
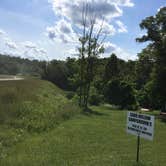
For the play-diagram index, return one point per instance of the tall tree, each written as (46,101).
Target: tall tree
(156,35)
(111,68)
(91,47)
(144,67)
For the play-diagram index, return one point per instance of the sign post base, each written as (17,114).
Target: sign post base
(138,145)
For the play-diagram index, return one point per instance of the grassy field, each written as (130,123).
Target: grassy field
(89,140)
(39,126)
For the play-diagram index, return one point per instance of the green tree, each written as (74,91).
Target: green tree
(156,35)
(144,67)
(57,72)
(73,68)
(91,45)
(120,93)
(111,68)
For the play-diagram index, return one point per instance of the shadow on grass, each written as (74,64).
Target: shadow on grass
(112,107)
(89,112)
(163,120)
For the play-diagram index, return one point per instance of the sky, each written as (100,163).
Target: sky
(49,29)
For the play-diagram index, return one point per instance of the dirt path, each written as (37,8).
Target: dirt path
(11,78)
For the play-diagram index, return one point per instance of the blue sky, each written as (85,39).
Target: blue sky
(45,29)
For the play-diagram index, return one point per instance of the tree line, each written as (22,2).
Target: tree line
(16,65)
(127,84)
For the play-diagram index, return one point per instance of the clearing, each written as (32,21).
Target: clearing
(98,139)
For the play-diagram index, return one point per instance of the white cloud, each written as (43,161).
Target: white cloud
(109,47)
(127,3)
(121,53)
(51,32)
(73,10)
(32,50)
(69,14)
(11,44)
(62,31)
(29,45)
(106,28)
(72,52)
(25,49)
(35,53)
(2,32)
(160,8)
(100,9)
(42,51)
(121,27)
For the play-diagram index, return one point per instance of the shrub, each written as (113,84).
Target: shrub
(120,93)
(148,96)
(95,98)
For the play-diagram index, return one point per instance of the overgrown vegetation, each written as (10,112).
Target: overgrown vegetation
(31,106)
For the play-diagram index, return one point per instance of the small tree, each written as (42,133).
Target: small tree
(91,47)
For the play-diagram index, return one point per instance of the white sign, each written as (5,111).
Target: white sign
(140,125)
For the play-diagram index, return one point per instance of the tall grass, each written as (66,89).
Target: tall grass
(31,106)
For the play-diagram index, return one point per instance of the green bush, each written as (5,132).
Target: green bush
(95,98)
(148,96)
(120,93)
(143,98)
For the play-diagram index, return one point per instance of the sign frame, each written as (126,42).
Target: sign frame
(139,124)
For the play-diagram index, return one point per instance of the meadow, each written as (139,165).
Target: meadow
(39,126)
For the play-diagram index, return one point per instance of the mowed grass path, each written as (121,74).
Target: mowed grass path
(94,140)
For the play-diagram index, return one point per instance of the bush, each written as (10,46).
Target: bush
(148,96)
(143,98)
(120,93)
(57,73)
(95,98)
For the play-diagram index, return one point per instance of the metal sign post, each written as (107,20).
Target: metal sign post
(138,144)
